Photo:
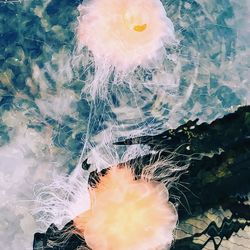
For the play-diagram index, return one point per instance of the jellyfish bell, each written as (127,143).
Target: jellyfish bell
(125,33)
(127,214)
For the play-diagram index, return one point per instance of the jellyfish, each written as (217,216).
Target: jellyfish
(123,34)
(126,213)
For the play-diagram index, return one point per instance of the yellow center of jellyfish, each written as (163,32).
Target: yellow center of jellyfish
(140,28)
(134,23)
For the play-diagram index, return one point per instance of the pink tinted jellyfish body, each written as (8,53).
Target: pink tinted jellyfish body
(128,214)
(123,34)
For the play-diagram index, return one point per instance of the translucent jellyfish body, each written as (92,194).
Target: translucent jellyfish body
(123,34)
(128,214)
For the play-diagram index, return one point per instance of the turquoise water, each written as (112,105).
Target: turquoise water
(46,119)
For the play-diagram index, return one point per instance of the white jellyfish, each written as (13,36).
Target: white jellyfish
(123,34)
